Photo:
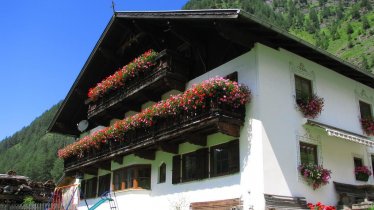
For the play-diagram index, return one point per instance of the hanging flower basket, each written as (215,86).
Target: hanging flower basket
(315,175)
(367,125)
(311,107)
(362,173)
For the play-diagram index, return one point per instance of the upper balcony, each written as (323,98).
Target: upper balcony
(170,71)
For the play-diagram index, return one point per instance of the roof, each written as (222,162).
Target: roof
(15,177)
(342,134)
(232,26)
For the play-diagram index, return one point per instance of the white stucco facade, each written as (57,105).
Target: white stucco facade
(269,139)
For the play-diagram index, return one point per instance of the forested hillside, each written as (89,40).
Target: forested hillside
(342,27)
(32,152)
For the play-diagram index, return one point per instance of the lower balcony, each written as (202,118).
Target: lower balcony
(165,135)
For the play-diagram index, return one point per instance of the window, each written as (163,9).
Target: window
(357,162)
(104,184)
(194,166)
(90,187)
(189,166)
(303,88)
(224,158)
(308,153)
(162,173)
(365,110)
(82,189)
(137,176)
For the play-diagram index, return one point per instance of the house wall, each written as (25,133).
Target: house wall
(269,139)
(282,124)
(239,185)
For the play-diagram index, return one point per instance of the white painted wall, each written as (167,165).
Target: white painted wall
(282,124)
(239,185)
(269,153)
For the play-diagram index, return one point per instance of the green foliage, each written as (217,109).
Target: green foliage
(347,25)
(339,11)
(314,18)
(366,4)
(356,11)
(365,64)
(57,169)
(349,29)
(365,23)
(28,200)
(32,152)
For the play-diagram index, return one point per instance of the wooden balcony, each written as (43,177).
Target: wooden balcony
(165,135)
(170,72)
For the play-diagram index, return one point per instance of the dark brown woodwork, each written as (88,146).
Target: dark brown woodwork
(229,129)
(132,41)
(218,204)
(285,202)
(169,73)
(108,54)
(200,140)
(172,131)
(91,170)
(146,154)
(169,147)
(353,193)
(176,173)
(106,165)
(118,160)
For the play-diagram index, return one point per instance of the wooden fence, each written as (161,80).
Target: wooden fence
(37,206)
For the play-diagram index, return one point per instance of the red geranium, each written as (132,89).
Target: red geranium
(367,125)
(362,170)
(320,206)
(315,175)
(121,77)
(212,92)
(311,107)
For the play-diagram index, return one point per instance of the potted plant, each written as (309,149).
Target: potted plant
(367,125)
(315,175)
(311,107)
(362,173)
(320,206)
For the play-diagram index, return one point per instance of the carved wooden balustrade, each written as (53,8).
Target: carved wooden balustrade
(189,126)
(170,72)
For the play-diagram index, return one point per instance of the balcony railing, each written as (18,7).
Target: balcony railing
(171,130)
(170,72)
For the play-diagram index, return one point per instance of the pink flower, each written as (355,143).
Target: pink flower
(215,92)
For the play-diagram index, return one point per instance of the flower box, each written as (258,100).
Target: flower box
(362,173)
(362,177)
(315,175)
(215,105)
(367,125)
(311,107)
(168,71)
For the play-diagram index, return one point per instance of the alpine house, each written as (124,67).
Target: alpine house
(215,109)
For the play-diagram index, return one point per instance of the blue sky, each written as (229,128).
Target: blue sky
(43,46)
